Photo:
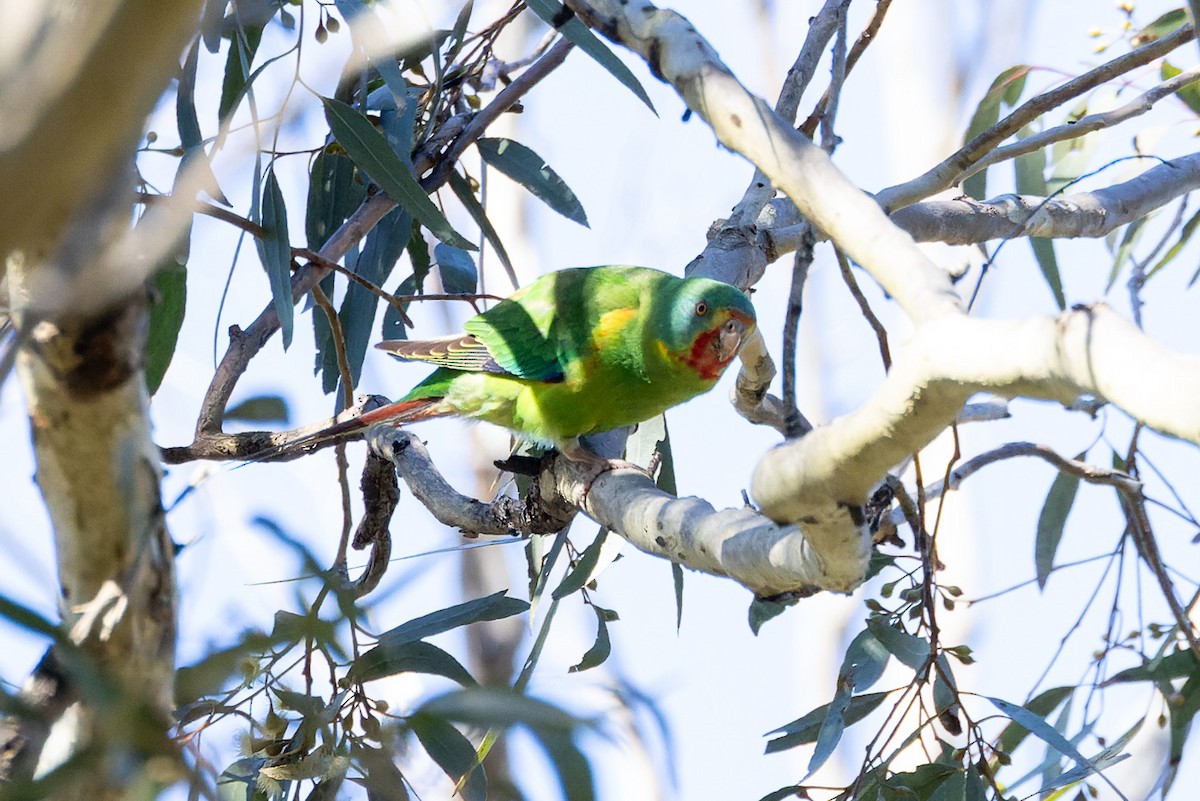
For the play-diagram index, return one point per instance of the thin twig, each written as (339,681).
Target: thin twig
(809,126)
(951,170)
(1085,125)
(865,307)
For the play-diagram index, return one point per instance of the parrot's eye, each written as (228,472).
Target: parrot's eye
(702,308)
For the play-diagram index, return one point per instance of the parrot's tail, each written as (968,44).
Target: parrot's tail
(397,414)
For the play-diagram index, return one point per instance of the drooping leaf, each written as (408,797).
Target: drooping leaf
(458,271)
(453,753)
(492,607)
(830,732)
(1051,522)
(909,649)
(210,674)
(1031,180)
(458,32)
(864,662)
(243,44)
(393,323)
(166,312)
(239,781)
(1183,712)
(333,195)
(585,569)
(553,13)
(1006,88)
(275,251)
(571,766)
(1133,233)
(1185,236)
(601,648)
(500,706)
(462,190)
(369,149)
(382,249)
(805,729)
(763,609)
(392,659)
(529,169)
(186,119)
(677,580)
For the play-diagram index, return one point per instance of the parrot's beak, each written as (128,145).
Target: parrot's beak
(729,338)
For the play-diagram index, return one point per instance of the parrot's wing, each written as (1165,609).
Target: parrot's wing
(458,352)
(517,342)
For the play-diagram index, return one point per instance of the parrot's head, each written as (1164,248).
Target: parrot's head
(707,323)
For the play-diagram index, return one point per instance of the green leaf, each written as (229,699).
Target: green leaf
(243,44)
(763,609)
(388,659)
(1039,728)
(528,169)
(459,275)
(1006,88)
(500,706)
(1133,233)
(462,190)
(677,579)
(276,254)
(1177,665)
(369,149)
(909,649)
(1043,704)
(492,607)
(210,674)
(1185,236)
(238,782)
(574,774)
(864,662)
(1051,522)
(1189,94)
(1030,171)
(585,568)
(552,12)
(1183,710)
(382,249)
(263,408)
(453,753)
(333,195)
(458,32)
(186,119)
(830,732)
(1166,24)
(393,323)
(166,312)
(600,650)
(805,729)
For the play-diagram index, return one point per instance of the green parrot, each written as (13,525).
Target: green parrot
(577,352)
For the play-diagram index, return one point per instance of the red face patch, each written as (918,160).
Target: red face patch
(704,357)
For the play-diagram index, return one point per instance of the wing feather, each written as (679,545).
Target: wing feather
(457,352)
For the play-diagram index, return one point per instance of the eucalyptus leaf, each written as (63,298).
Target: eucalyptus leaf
(1052,521)
(370,150)
(529,169)
(453,753)
(553,13)
(275,251)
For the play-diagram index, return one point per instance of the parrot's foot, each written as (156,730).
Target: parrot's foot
(582,456)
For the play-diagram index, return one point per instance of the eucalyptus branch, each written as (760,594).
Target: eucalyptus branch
(1085,125)
(952,170)
(1086,214)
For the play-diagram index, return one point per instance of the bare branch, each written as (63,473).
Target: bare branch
(1083,351)
(1087,214)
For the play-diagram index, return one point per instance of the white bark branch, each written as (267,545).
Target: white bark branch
(1083,351)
